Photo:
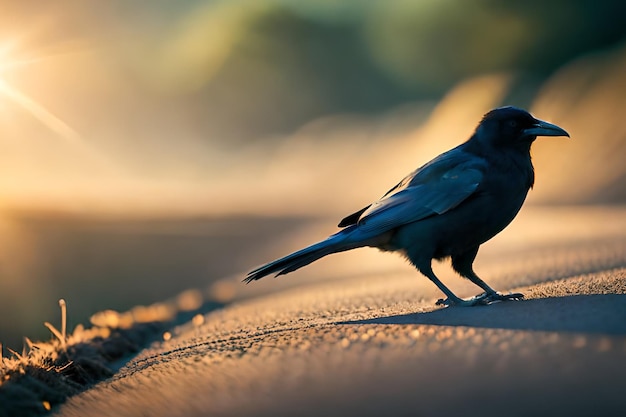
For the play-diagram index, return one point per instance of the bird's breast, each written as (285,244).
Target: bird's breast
(482,216)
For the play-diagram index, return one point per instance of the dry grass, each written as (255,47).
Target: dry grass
(45,374)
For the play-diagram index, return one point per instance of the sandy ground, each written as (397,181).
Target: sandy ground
(375,344)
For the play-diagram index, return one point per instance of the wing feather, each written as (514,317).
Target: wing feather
(433,189)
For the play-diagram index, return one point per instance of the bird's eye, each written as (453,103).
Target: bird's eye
(513,123)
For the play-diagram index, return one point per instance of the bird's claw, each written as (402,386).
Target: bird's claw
(442,302)
(474,301)
(496,297)
(480,300)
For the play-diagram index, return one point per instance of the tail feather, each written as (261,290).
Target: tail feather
(303,257)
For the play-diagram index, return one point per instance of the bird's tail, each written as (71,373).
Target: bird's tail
(336,243)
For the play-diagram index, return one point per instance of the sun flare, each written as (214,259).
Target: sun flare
(15,96)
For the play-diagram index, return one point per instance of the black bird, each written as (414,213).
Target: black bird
(446,208)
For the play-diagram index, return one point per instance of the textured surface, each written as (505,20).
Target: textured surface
(376,344)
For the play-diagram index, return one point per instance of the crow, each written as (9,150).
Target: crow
(445,209)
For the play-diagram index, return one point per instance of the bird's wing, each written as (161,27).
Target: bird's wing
(435,188)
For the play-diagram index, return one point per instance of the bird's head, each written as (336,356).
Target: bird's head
(510,126)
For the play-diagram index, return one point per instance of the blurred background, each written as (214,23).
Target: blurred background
(150,146)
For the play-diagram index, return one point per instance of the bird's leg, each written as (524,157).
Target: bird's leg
(490,295)
(463,265)
(452,299)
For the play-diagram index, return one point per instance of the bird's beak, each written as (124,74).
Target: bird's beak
(541,128)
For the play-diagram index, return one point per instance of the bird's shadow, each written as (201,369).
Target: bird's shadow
(594,313)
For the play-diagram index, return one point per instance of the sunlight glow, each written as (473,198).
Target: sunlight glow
(39,112)
(29,104)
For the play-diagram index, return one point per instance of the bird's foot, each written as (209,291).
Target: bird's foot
(497,297)
(479,300)
(459,302)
